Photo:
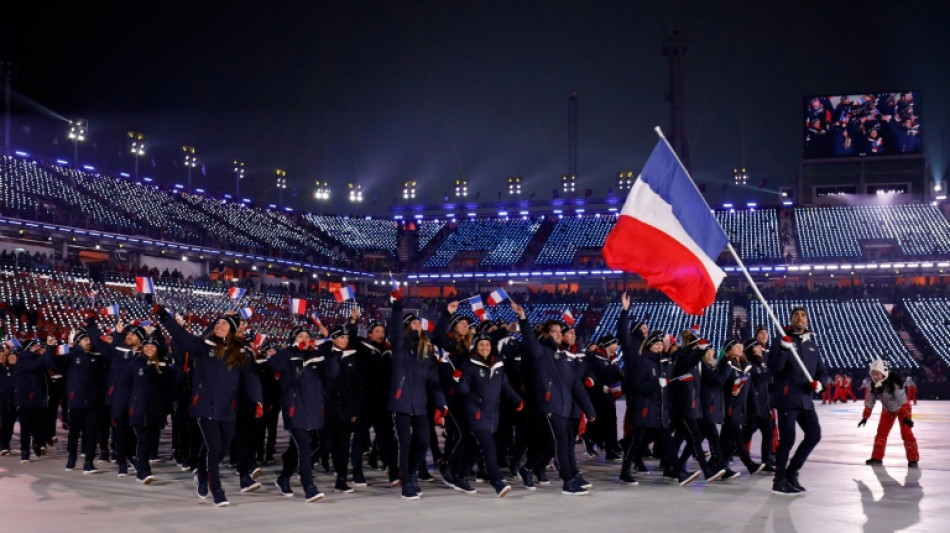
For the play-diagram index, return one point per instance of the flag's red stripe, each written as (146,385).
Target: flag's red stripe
(661,261)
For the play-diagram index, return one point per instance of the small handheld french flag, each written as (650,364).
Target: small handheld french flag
(426,325)
(478,307)
(62,349)
(616,390)
(111,310)
(247,312)
(236,293)
(345,293)
(259,339)
(144,285)
(298,306)
(14,343)
(567,317)
(315,318)
(497,296)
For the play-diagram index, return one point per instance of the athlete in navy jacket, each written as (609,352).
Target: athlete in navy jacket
(555,391)
(149,380)
(86,372)
(791,396)
(31,396)
(221,370)
(303,375)
(414,376)
(481,384)
(7,405)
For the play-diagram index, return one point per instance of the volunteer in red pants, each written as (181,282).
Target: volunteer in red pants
(891,390)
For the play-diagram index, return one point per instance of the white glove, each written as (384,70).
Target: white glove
(786,342)
(664,382)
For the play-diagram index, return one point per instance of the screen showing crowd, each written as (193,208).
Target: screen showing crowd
(862,124)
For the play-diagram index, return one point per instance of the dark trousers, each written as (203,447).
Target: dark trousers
(217,435)
(298,455)
(765,427)
(711,432)
(412,438)
(462,456)
(688,430)
(361,441)
(270,427)
(7,419)
(144,435)
(603,430)
(31,423)
(485,440)
(560,445)
(733,444)
(662,447)
(339,433)
(386,442)
(83,422)
(103,429)
(243,444)
(123,440)
(807,419)
(57,395)
(527,422)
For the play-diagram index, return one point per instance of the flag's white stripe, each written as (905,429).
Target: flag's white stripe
(650,208)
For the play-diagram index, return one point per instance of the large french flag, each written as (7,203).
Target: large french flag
(667,234)
(144,285)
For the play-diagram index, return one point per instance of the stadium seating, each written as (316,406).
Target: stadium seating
(830,232)
(571,233)
(851,334)
(754,233)
(505,241)
(358,233)
(428,230)
(932,316)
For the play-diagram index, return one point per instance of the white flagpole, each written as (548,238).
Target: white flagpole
(748,277)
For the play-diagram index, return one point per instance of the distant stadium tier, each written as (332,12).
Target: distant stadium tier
(827,232)
(503,240)
(851,333)
(932,316)
(870,124)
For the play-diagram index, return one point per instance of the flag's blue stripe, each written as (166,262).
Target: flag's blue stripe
(666,177)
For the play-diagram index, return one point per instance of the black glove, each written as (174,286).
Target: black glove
(908,422)
(161,312)
(862,422)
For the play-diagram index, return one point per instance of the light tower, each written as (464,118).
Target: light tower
(675,48)
(190,160)
(78,128)
(409,190)
(514,185)
(281,181)
(239,173)
(136,142)
(625,180)
(461,188)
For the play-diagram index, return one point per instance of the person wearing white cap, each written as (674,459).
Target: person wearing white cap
(891,389)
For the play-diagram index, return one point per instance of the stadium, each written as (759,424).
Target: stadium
(859,238)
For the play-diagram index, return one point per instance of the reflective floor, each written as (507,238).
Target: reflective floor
(843,495)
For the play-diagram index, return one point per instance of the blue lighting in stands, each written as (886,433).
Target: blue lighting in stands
(90,168)
(126,175)
(417,217)
(786,202)
(147,180)
(246,200)
(62,162)
(450,215)
(612,209)
(21,154)
(228,196)
(179,186)
(200,191)
(558,211)
(472,215)
(523,213)
(727,206)
(289,209)
(503,213)
(751,204)
(272,206)
(397,217)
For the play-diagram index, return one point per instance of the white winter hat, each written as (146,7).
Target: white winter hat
(881,366)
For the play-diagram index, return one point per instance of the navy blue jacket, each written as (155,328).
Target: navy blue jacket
(650,403)
(303,376)
(604,373)
(117,356)
(555,387)
(790,388)
(630,347)
(148,387)
(86,376)
(759,378)
(685,394)
(375,364)
(457,356)
(345,393)
(30,372)
(481,387)
(736,404)
(710,391)
(580,372)
(214,387)
(412,377)
(7,387)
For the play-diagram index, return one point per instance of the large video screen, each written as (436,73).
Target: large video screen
(869,124)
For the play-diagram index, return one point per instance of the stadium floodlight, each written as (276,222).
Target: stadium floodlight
(461,188)
(514,185)
(136,142)
(568,183)
(322,192)
(78,129)
(281,182)
(625,180)
(409,190)
(190,160)
(741,176)
(239,173)
(355,192)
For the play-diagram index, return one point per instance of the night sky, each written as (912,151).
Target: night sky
(377,92)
